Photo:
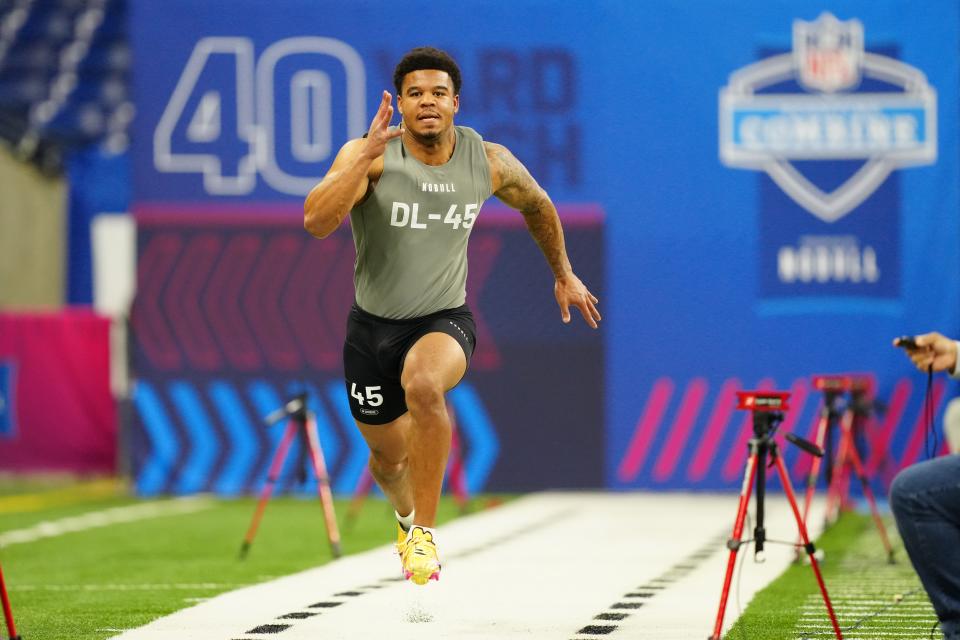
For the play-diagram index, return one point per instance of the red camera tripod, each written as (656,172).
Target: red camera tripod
(302,424)
(767,408)
(850,420)
(7,609)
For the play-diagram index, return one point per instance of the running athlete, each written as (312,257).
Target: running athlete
(413,193)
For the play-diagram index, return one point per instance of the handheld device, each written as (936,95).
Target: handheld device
(907,342)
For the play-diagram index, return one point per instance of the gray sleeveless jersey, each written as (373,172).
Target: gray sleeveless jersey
(411,232)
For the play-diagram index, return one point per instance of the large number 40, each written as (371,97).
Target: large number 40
(222,118)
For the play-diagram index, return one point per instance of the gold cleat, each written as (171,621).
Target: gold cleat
(419,557)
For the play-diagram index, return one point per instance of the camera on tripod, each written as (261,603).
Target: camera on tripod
(763,400)
(768,409)
(832,383)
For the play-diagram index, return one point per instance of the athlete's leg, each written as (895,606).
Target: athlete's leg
(388,460)
(434,365)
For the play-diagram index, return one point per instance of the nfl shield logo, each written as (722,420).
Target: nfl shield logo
(828,53)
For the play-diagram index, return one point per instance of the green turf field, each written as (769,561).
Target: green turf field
(872,598)
(93,583)
(105,577)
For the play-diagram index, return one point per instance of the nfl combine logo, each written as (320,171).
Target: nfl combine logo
(766,129)
(828,121)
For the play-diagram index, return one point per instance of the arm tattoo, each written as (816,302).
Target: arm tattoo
(519,190)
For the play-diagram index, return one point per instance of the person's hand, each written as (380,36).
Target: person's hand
(379,133)
(570,291)
(934,352)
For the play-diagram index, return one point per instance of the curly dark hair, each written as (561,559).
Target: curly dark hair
(427,58)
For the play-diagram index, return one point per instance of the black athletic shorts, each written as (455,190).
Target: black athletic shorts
(374,352)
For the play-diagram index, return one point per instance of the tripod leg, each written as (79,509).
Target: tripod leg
(323,487)
(868,492)
(808,546)
(364,485)
(814,468)
(734,542)
(276,466)
(849,451)
(7,609)
(836,489)
(457,475)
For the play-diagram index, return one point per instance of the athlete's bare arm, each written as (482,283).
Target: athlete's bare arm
(515,187)
(358,164)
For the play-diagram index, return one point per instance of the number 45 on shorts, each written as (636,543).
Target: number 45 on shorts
(369,395)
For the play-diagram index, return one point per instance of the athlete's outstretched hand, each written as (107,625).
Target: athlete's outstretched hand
(570,291)
(934,351)
(379,133)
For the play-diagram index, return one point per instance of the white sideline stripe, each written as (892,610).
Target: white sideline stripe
(913,601)
(853,594)
(861,605)
(904,602)
(579,554)
(103,518)
(869,635)
(129,587)
(848,612)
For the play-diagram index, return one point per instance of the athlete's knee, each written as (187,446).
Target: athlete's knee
(424,394)
(386,469)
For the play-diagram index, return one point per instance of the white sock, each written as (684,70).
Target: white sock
(405,521)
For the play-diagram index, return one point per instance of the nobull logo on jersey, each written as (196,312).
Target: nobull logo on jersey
(828,122)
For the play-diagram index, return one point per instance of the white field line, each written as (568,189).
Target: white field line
(868,602)
(869,592)
(873,600)
(848,610)
(103,518)
(912,616)
(915,633)
(900,614)
(543,567)
(183,586)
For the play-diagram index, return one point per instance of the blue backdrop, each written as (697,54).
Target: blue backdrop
(777,182)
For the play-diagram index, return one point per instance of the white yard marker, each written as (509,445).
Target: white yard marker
(103,518)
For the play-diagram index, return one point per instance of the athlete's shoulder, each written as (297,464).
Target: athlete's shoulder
(469,134)
(492,148)
(497,155)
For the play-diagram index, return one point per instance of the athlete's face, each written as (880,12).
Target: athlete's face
(427,102)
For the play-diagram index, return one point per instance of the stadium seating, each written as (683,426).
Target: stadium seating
(64,77)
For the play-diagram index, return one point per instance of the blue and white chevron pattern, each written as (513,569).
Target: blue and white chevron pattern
(210,437)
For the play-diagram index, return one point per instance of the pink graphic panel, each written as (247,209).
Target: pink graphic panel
(65,416)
